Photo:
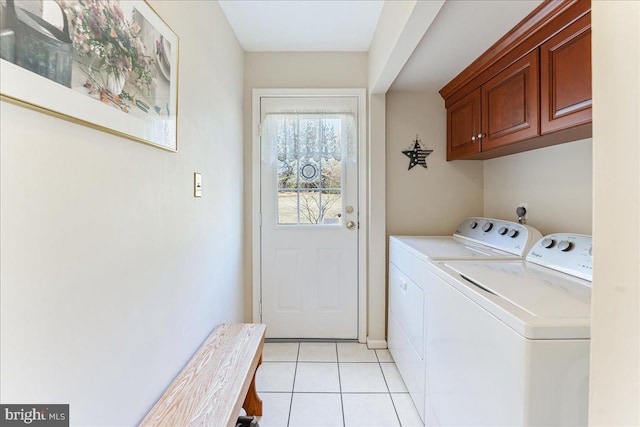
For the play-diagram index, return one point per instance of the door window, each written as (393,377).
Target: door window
(310,151)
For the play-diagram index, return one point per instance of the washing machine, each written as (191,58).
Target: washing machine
(475,238)
(507,341)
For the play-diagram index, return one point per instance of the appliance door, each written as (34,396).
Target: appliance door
(406,333)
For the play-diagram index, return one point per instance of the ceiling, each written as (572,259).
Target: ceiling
(462,31)
(303,26)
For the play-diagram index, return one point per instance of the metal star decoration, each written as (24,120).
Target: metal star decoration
(417,155)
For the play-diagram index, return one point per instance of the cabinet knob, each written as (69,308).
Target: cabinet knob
(473,138)
(480,135)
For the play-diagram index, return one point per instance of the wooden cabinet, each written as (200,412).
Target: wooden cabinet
(463,126)
(503,111)
(531,89)
(510,104)
(565,78)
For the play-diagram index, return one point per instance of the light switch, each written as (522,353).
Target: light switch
(197,185)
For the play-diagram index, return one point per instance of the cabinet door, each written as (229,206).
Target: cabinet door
(565,77)
(510,104)
(463,126)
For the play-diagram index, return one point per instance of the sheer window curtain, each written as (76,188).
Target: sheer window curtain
(285,134)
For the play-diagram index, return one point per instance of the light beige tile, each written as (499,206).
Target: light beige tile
(369,410)
(316,410)
(362,378)
(384,355)
(406,410)
(275,376)
(317,378)
(394,380)
(318,352)
(354,352)
(280,352)
(275,409)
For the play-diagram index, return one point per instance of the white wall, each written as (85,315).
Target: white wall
(429,201)
(400,28)
(377,238)
(615,331)
(393,18)
(555,182)
(289,70)
(303,70)
(112,273)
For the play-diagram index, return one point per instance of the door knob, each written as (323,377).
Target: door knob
(351,225)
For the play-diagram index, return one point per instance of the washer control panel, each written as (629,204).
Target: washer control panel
(503,235)
(566,252)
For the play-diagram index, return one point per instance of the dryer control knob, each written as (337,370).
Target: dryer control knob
(513,233)
(547,243)
(565,246)
(503,231)
(473,225)
(487,227)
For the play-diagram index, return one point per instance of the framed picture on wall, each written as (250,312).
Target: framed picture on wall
(108,64)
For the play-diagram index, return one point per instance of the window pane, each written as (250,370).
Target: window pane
(331,173)
(331,207)
(287,154)
(287,207)
(287,174)
(309,168)
(310,207)
(309,138)
(309,173)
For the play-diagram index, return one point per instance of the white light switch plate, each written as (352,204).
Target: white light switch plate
(197,185)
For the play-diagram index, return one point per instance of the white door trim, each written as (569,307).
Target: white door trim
(360,94)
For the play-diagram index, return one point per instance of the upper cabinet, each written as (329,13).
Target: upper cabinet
(565,77)
(463,126)
(510,104)
(531,89)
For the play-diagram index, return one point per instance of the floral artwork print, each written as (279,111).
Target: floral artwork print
(101,29)
(118,53)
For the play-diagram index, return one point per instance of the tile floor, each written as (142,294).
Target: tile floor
(332,384)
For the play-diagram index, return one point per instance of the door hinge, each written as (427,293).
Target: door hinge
(259,220)
(260,129)
(260,310)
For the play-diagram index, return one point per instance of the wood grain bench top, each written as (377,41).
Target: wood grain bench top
(212,387)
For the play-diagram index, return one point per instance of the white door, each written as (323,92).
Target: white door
(309,208)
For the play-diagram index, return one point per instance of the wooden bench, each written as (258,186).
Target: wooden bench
(217,381)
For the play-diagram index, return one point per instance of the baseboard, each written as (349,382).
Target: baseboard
(376,344)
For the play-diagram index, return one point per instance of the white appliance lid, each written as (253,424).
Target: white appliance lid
(535,301)
(447,247)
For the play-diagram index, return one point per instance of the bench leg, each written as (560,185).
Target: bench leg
(252,403)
